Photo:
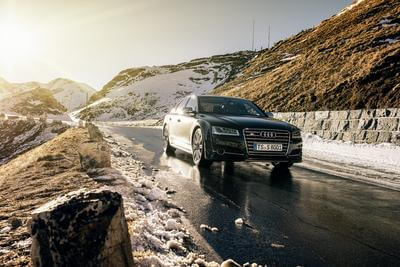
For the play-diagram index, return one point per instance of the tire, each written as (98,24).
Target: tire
(198,149)
(282,165)
(167,148)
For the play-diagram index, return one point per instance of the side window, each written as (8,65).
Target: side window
(180,106)
(192,103)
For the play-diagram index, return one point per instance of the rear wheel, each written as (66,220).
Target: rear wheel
(282,165)
(168,149)
(198,149)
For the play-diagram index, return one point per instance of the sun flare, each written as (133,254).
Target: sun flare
(17,44)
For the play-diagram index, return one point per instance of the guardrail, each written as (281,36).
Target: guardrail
(359,126)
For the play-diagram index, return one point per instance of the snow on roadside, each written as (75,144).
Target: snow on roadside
(380,160)
(158,235)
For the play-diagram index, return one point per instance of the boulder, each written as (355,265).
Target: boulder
(95,134)
(94,155)
(82,228)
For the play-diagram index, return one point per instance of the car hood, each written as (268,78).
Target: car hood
(242,122)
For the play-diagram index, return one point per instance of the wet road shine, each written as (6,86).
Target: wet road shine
(292,218)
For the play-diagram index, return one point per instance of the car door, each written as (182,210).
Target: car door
(175,130)
(187,121)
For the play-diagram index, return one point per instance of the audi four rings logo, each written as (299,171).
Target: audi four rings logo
(268,134)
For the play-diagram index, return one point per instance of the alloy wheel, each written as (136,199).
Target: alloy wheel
(197,146)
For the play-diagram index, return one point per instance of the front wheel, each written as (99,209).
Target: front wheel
(198,149)
(282,165)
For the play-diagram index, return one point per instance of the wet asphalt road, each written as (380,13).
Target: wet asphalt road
(296,217)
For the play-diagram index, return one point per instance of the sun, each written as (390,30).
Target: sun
(17,44)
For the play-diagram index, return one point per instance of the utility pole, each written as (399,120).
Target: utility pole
(269,36)
(252,44)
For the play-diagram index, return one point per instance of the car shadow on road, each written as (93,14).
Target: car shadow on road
(281,178)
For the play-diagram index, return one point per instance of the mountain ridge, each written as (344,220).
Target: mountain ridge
(149,92)
(69,94)
(349,61)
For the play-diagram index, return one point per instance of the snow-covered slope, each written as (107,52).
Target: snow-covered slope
(72,95)
(149,92)
(69,94)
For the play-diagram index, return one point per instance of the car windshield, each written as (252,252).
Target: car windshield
(228,106)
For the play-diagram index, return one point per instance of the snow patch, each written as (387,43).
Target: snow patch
(289,58)
(230,263)
(381,156)
(350,7)
(386,22)
(239,222)
(389,41)
(278,246)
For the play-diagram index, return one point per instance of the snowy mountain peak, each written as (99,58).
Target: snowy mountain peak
(69,94)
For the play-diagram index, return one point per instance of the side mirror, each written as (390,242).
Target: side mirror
(269,114)
(189,111)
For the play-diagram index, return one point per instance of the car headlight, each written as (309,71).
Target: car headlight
(224,131)
(296,135)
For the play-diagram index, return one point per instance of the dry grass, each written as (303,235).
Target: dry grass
(35,178)
(343,63)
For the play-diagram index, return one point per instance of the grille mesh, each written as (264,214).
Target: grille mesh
(253,136)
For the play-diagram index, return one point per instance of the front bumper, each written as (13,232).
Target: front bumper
(233,148)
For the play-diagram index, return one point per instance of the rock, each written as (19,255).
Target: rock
(95,134)
(171,224)
(94,155)
(156,194)
(5,230)
(82,228)
(15,223)
(200,262)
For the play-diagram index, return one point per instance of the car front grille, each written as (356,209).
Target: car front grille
(253,136)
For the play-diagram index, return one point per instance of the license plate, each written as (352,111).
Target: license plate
(268,147)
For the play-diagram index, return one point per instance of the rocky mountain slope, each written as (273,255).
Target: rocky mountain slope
(69,95)
(19,136)
(149,92)
(349,61)
(36,102)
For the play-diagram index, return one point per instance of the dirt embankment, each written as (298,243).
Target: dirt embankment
(31,180)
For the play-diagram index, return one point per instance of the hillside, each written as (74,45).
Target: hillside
(36,102)
(70,94)
(19,136)
(149,92)
(31,180)
(349,61)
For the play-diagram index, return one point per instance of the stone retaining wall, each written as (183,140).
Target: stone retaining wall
(359,126)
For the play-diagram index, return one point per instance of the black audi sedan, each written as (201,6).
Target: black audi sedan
(217,128)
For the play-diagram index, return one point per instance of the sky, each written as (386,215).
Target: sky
(91,41)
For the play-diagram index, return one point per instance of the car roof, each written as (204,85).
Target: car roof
(219,96)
